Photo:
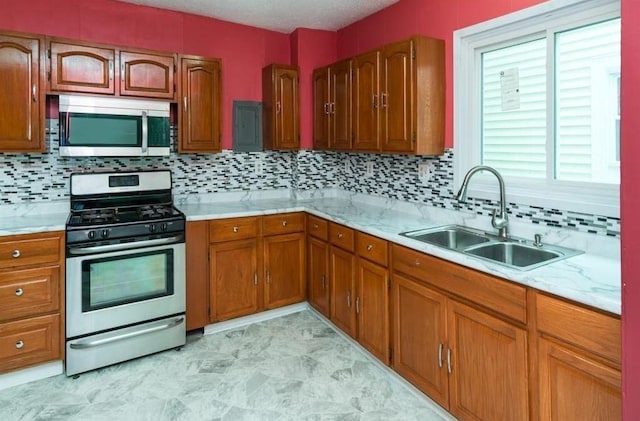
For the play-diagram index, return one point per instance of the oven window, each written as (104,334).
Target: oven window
(112,281)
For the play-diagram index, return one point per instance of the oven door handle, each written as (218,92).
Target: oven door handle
(124,246)
(98,342)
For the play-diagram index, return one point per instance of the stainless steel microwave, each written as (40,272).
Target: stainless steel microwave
(97,126)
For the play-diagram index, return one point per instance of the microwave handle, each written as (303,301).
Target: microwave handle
(145,132)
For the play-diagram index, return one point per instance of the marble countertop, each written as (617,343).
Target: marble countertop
(592,278)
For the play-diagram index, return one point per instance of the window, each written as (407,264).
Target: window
(537,97)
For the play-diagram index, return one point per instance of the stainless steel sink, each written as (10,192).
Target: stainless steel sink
(450,236)
(513,252)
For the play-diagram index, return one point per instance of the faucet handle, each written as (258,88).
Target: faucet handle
(537,240)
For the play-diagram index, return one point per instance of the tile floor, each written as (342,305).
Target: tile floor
(294,367)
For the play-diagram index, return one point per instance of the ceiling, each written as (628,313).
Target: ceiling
(277,15)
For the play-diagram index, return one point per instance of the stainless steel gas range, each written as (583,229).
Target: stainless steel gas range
(125,269)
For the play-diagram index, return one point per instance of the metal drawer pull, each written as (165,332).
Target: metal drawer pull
(33,93)
(284,223)
(449,360)
(255,278)
(184,101)
(235,229)
(268,277)
(323,280)
(374,101)
(16,253)
(340,235)
(349,299)
(417,262)
(19,345)
(19,292)
(315,226)
(357,305)
(440,346)
(369,247)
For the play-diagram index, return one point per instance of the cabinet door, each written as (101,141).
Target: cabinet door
(343,290)
(286,113)
(321,108)
(574,386)
(234,285)
(366,102)
(318,278)
(149,75)
(372,307)
(488,359)
(284,265)
(396,97)
(22,86)
(82,68)
(197,246)
(340,106)
(200,107)
(419,319)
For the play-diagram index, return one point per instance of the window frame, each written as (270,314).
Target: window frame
(468,44)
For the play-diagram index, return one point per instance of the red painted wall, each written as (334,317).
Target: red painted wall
(244,50)
(310,49)
(630,208)
(434,18)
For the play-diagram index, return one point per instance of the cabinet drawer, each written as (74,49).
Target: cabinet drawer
(29,250)
(29,341)
(318,227)
(283,223)
(341,236)
(372,248)
(488,291)
(29,292)
(585,328)
(233,229)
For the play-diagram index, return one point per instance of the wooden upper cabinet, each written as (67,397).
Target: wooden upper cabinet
(366,102)
(147,75)
(340,132)
(281,114)
(396,97)
(199,117)
(82,68)
(321,108)
(22,86)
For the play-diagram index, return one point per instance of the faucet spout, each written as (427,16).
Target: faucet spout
(499,218)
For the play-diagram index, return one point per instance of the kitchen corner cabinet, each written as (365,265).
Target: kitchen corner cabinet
(471,361)
(200,105)
(280,106)
(79,67)
(31,292)
(578,361)
(22,84)
(318,287)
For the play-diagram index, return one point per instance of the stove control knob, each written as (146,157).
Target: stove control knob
(91,235)
(164,226)
(152,227)
(105,233)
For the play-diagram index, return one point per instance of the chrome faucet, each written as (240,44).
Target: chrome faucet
(499,219)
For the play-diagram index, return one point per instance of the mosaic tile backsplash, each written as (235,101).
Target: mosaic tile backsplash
(45,177)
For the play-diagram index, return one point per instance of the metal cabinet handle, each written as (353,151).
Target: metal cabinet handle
(323,280)
(340,235)
(440,346)
(110,70)
(315,226)
(255,278)
(19,345)
(235,229)
(383,100)
(284,223)
(16,253)
(184,101)
(33,93)
(369,247)
(122,72)
(278,107)
(349,299)
(326,108)
(357,305)
(332,108)
(417,262)
(19,292)
(449,360)
(374,101)
(268,277)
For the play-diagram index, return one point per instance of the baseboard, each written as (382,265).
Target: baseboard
(255,318)
(30,374)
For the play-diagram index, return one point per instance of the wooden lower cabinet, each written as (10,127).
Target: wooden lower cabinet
(372,308)
(284,265)
(318,275)
(197,288)
(234,279)
(342,267)
(471,363)
(576,387)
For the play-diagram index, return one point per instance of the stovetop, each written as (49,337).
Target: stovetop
(133,214)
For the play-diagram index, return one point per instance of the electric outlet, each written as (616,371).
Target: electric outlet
(259,167)
(369,169)
(425,171)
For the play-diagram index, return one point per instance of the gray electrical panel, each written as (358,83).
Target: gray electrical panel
(247,126)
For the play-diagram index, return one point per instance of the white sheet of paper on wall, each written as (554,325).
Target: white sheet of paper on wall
(510,89)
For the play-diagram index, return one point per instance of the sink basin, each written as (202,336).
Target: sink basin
(514,254)
(450,236)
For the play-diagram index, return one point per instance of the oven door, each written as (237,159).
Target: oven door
(120,288)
